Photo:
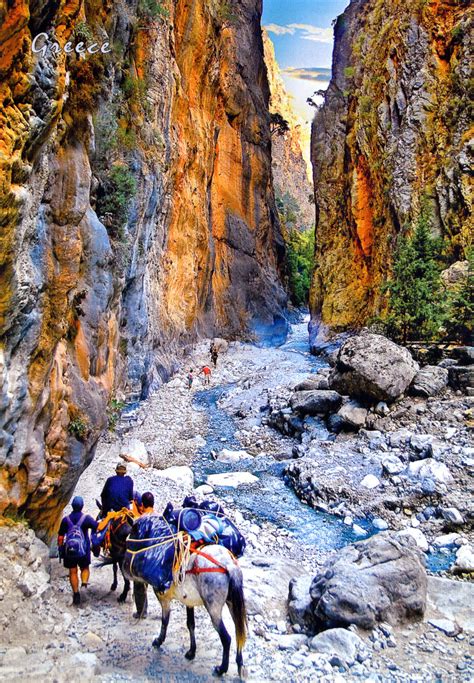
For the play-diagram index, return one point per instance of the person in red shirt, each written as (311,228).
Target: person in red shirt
(206,371)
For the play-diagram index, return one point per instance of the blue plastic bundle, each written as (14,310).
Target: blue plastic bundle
(151,545)
(206,522)
(150,551)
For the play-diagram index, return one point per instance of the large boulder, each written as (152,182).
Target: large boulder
(430,469)
(232,479)
(429,381)
(342,646)
(299,603)
(380,579)
(461,376)
(312,383)
(452,600)
(316,402)
(266,580)
(353,415)
(464,355)
(222,345)
(373,367)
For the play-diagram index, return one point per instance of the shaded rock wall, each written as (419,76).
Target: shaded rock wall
(392,135)
(137,212)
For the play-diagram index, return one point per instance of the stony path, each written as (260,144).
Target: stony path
(102,641)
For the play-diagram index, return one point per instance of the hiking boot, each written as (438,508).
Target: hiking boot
(76,599)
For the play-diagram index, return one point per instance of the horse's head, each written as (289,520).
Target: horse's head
(120,529)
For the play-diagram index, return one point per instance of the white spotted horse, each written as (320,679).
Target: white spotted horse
(206,576)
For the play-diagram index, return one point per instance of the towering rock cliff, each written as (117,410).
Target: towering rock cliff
(137,212)
(392,137)
(290,172)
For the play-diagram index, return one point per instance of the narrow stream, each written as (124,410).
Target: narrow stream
(270,499)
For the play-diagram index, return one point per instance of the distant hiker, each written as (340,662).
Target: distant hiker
(118,491)
(190,378)
(74,546)
(206,372)
(214,354)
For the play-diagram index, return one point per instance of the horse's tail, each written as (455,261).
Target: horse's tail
(236,600)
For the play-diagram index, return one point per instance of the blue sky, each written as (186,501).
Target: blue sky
(302,34)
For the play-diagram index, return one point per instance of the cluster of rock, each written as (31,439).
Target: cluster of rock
(376,582)
(370,374)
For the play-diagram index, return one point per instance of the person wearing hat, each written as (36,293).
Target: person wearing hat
(74,530)
(118,491)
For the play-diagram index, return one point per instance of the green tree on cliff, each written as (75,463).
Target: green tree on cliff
(459,323)
(415,304)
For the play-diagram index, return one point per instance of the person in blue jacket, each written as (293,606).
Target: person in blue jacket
(85,523)
(118,491)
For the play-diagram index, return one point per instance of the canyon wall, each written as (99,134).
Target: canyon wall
(392,139)
(137,213)
(290,171)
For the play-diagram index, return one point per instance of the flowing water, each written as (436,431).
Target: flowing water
(270,499)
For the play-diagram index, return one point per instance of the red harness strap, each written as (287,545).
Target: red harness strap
(204,570)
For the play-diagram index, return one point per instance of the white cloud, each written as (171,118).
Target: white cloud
(279,30)
(314,33)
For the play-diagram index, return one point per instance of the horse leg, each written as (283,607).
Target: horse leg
(141,599)
(126,585)
(114,585)
(217,622)
(191,653)
(165,617)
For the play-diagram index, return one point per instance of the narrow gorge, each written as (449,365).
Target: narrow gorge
(258,296)
(138,213)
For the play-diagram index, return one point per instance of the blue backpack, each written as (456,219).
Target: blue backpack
(75,545)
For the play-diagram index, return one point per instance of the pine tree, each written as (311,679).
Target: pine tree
(415,305)
(459,323)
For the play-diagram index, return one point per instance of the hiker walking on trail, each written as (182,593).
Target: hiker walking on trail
(190,378)
(74,546)
(118,491)
(206,372)
(214,354)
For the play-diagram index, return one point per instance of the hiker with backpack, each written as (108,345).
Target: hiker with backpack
(74,546)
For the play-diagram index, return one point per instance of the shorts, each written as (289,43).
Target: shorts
(82,563)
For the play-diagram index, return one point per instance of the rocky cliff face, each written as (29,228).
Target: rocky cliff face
(290,172)
(391,137)
(137,212)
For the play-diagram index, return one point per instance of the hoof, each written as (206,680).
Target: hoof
(157,643)
(190,654)
(139,615)
(242,672)
(218,671)
(121,598)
